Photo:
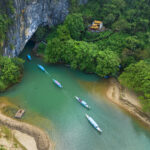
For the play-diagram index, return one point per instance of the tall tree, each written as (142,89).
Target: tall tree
(107,63)
(75,24)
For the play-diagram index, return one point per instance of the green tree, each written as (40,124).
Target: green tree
(75,24)
(63,33)
(53,51)
(80,55)
(143,24)
(133,43)
(10,71)
(109,19)
(107,63)
(121,25)
(137,77)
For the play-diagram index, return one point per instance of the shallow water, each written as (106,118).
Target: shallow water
(57,111)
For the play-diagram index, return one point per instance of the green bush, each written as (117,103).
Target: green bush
(107,63)
(137,77)
(82,55)
(53,51)
(10,71)
(2,86)
(74,23)
(41,48)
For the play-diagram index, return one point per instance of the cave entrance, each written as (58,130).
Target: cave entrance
(39,39)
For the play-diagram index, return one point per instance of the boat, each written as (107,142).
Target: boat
(93,123)
(57,83)
(29,57)
(83,103)
(20,113)
(41,67)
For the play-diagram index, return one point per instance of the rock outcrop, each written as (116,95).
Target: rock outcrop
(28,15)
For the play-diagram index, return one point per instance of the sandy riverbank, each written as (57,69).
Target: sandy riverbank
(40,137)
(126,100)
(27,141)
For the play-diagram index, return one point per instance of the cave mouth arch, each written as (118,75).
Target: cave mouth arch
(27,18)
(38,37)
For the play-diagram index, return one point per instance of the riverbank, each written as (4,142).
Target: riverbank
(126,99)
(40,137)
(6,87)
(12,70)
(27,141)
(15,140)
(8,141)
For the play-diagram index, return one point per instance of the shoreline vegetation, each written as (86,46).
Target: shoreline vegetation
(41,138)
(11,72)
(127,100)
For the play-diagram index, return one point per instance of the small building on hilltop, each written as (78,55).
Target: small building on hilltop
(96,25)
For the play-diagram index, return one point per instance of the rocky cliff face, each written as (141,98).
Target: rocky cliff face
(29,14)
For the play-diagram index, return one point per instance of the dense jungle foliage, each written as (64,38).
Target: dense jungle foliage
(122,50)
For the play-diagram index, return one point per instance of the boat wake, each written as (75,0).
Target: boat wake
(47,73)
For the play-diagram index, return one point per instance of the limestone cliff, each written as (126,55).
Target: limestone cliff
(28,15)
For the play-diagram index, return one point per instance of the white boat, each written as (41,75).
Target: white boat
(83,103)
(93,123)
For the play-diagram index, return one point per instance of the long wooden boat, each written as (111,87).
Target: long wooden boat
(93,123)
(82,102)
(57,83)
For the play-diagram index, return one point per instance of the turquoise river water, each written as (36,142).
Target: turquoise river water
(67,126)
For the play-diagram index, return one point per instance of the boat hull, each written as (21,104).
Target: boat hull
(93,123)
(29,57)
(83,103)
(41,68)
(57,83)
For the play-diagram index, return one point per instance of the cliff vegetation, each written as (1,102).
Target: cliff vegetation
(6,11)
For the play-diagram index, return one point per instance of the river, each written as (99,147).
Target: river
(56,111)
